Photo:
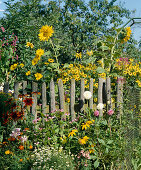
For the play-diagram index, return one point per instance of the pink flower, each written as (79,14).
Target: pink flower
(2,28)
(96,113)
(35,121)
(110,112)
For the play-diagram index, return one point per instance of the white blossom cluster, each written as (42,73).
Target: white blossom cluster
(49,158)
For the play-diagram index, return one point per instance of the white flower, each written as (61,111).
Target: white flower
(100,106)
(1,88)
(87,95)
(11,91)
(23,139)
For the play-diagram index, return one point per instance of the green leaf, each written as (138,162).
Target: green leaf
(100,70)
(101,141)
(66,65)
(110,141)
(96,163)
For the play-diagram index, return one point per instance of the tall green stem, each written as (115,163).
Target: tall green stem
(54,51)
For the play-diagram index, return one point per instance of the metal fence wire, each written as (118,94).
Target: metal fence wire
(132,130)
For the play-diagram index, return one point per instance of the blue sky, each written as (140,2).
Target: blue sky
(129,4)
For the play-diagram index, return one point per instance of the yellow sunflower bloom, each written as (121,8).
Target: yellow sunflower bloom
(38,76)
(45,33)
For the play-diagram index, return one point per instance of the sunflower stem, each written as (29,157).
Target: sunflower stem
(54,52)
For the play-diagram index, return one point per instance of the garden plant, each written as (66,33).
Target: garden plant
(69,40)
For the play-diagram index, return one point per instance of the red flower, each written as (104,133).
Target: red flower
(28,101)
(21,147)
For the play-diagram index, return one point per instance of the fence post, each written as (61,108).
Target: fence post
(120,82)
(44,98)
(108,93)
(6,87)
(61,97)
(34,97)
(16,90)
(82,89)
(24,87)
(91,90)
(72,99)
(100,95)
(52,95)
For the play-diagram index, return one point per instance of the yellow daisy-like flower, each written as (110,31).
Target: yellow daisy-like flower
(128,34)
(78,55)
(92,148)
(68,100)
(46,63)
(39,52)
(50,60)
(21,65)
(87,124)
(71,65)
(34,61)
(13,67)
(7,152)
(28,44)
(84,140)
(63,139)
(21,160)
(95,99)
(45,33)
(28,73)
(73,132)
(38,76)
(89,53)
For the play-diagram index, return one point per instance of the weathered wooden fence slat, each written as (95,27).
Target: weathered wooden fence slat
(52,96)
(91,90)
(61,96)
(6,87)
(82,89)
(100,94)
(24,85)
(44,98)
(16,90)
(34,97)
(72,99)
(108,93)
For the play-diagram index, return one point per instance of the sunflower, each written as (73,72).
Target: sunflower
(45,33)
(28,101)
